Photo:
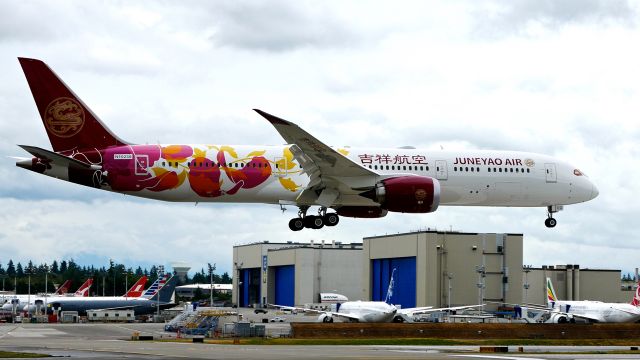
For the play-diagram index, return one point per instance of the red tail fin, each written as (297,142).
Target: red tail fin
(636,297)
(84,289)
(64,288)
(70,124)
(138,288)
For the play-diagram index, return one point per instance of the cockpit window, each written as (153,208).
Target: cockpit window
(577,172)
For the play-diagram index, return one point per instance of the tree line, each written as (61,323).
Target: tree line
(113,280)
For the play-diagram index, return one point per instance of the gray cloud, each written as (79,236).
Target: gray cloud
(496,19)
(277,26)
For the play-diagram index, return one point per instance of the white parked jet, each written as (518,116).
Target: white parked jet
(361,183)
(374,311)
(562,311)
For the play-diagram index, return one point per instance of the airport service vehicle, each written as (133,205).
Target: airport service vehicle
(374,311)
(305,173)
(561,311)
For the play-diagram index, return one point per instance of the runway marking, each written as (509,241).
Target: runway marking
(499,357)
(21,332)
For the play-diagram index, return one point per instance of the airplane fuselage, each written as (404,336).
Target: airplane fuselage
(604,312)
(369,311)
(270,174)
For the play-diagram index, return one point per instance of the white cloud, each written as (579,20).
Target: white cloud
(552,78)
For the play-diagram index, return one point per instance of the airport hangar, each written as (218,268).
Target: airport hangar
(433,268)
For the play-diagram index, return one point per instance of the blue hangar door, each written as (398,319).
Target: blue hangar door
(250,287)
(285,282)
(404,289)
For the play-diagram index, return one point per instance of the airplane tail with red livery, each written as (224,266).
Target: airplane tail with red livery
(138,288)
(70,124)
(83,290)
(64,288)
(636,297)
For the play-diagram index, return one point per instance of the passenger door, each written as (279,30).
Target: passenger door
(550,172)
(441,170)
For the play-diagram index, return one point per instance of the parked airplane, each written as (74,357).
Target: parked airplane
(161,298)
(374,311)
(361,183)
(563,311)
(138,288)
(63,289)
(83,290)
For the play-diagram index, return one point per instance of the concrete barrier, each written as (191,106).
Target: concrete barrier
(464,331)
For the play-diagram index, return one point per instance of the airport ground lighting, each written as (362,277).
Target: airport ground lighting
(526,269)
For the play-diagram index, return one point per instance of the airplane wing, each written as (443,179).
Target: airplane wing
(319,312)
(326,167)
(431,309)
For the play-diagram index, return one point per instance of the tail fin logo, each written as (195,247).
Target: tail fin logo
(64,117)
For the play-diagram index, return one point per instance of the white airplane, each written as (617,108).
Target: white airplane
(305,173)
(19,301)
(562,311)
(82,303)
(374,311)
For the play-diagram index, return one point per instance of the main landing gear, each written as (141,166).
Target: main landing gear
(550,222)
(312,221)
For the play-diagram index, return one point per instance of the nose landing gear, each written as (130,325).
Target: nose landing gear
(312,221)
(550,222)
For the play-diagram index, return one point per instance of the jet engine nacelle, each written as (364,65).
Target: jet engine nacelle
(407,194)
(362,211)
(325,318)
(561,319)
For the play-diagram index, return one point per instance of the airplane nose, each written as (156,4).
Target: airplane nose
(594,192)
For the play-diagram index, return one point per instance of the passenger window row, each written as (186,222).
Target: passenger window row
(212,164)
(403,167)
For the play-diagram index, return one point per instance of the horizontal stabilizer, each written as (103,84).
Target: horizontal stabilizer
(55,157)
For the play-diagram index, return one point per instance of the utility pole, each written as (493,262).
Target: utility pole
(212,268)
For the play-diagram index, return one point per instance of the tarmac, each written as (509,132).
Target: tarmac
(108,341)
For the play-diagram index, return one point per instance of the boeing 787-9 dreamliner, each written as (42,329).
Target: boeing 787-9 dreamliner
(305,173)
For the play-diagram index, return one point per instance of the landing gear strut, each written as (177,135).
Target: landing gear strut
(312,221)
(550,222)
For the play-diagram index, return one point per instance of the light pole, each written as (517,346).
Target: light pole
(160,273)
(450,277)
(212,268)
(526,269)
(29,293)
(46,280)
(3,278)
(480,269)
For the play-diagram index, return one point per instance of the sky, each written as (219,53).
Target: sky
(553,77)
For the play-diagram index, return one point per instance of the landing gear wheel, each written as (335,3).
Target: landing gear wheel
(296,224)
(331,219)
(550,222)
(313,222)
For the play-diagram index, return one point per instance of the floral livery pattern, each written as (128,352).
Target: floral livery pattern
(156,168)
